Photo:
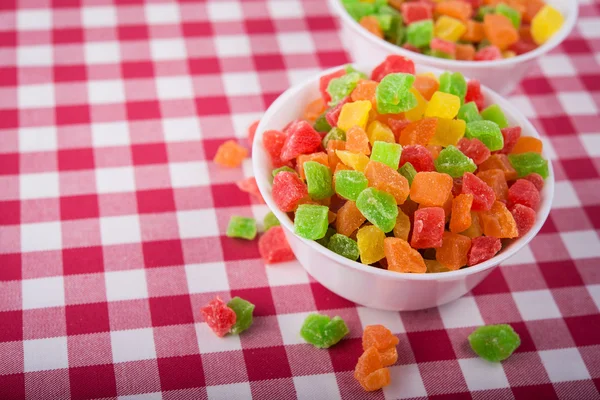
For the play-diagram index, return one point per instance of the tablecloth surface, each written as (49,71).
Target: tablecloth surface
(113,216)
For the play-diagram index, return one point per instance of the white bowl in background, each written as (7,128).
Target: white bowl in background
(370,286)
(503,76)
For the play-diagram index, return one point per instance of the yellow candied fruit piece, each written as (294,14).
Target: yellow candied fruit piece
(508,54)
(356,161)
(443,105)
(449,28)
(354,114)
(416,113)
(380,132)
(370,244)
(448,132)
(546,23)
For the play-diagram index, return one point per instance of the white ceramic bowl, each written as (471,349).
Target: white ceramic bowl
(369,286)
(503,76)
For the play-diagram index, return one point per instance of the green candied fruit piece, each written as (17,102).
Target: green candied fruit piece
(341,87)
(420,33)
(393,94)
(241,227)
(310,221)
(453,162)
(385,21)
(397,32)
(282,169)
(495,114)
(318,180)
(334,134)
(387,153)
(270,221)
(321,124)
(453,83)
(243,312)
(408,171)
(344,246)
(494,342)
(483,11)
(486,131)
(378,207)
(324,241)
(323,332)
(510,13)
(358,9)
(349,184)
(468,112)
(527,163)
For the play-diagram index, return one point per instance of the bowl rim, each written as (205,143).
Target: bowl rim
(261,173)
(557,39)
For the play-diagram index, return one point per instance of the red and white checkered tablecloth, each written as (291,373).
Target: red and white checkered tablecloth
(112,216)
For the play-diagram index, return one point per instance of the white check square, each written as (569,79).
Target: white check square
(523,256)
(389,319)
(167,49)
(591,143)
(109,134)
(578,103)
(34,56)
(536,304)
(34,19)
(132,345)
(126,285)
(461,313)
(39,186)
(174,87)
(296,43)
(581,244)
(119,230)
(33,96)
(41,236)
(188,174)
(232,45)
(97,17)
(181,129)
(37,139)
(564,365)
(162,13)
(242,83)
(115,180)
(565,196)
(556,65)
(285,9)
(288,273)
(523,104)
(483,375)
(43,293)
(45,354)
(589,27)
(224,10)
(406,382)
(595,293)
(207,278)
(290,325)
(208,342)
(317,387)
(197,223)
(106,92)
(102,52)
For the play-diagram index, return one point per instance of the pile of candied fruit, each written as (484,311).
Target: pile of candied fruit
(405,171)
(479,30)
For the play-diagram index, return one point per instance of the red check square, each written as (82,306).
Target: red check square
(92,382)
(181,372)
(87,318)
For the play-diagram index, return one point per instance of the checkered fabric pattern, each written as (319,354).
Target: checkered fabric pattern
(112,216)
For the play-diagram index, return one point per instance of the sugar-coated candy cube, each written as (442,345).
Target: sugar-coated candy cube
(448,132)
(431,188)
(349,219)
(371,24)
(474,230)
(512,14)
(418,132)
(218,316)
(500,31)
(356,113)
(393,64)
(370,244)
(416,11)
(468,112)
(474,32)
(498,222)
(344,246)
(285,168)
(241,227)
(387,153)
(497,181)
(333,114)
(349,184)
(465,52)
(324,241)
(449,28)
(383,340)
(501,162)
(378,207)
(495,114)
(249,186)
(358,9)
(474,94)
(416,113)
(322,331)
(356,161)
(243,311)
(419,157)
(527,163)
(546,23)
(474,149)
(536,179)
(230,154)
(319,157)
(456,9)
(443,48)
(524,218)
(270,221)
(526,144)
(524,192)
(357,141)
(387,179)
(318,180)
(426,84)
(486,131)
(419,34)
(301,139)
(341,87)
(402,227)
(428,228)
(288,190)
(364,90)
(393,93)
(453,162)
(401,257)
(314,109)
(324,83)
(494,342)
(443,105)
(482,249)
(488,53)
(460,218)
(252,131)
(370,372)
(321,124)
(377,131)
(453,83)
(408,171)
(454,251)
(333,134)
(311,221)
(483,195)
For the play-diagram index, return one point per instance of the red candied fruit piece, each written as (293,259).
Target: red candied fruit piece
(482,249)
(273,246)
(218,316)
(474,149)
(445,46)
(474,94)
(397,125)
(428,228)
(410,47)
(273,142)
(511,135)
(524,218)
(249,186)
(419,157)
(488,53)
(524,192)
(301,139)
(456,186)
(522,46)
(324,82)
(416,11)
(537,180)
(483,195)
(288,190)
(333,114)
(252,132)
(393,64)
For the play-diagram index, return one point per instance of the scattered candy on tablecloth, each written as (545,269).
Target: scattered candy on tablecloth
(249,186)
(230,154)
(269,221)
(273,246)
(379,346)
(494,342)
(241,227)
(322,331)
(455,29)
(243,311)
(218,316)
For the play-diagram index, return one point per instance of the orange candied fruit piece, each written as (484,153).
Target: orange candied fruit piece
(332,146)
(474,32)
(369,371)
(379,337)
(357,141)
(447,206)
(365,90)
(465,52)
(499,161)
(426,84)
(456,9)
(418,132)
(434,150)
(371,24)
(387,179)
(314,109)
(402,227)
(460,219)
(496,180)
(500,31)
(474,230)
(401,257)
(319,157)
(349,219)
(498,222)
(331,216)
(431,188)
(532,7)
(526,144)
(454,251)
(230,154)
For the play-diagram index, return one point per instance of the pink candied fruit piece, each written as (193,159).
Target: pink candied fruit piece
(483,195)
(482,249)
(511,135)
(524,192)
(474,94)
(474,149)
(288,190)
(252,132)
(333,114)
(301,139)
(416,11)
(249,186)
(536,179)
(428,228)
(273,246)
(324,82)
(488,53)
(218,316)
(418,156)
(524,218)
(445,46)
(522,46)
(393,64)
(273,142)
